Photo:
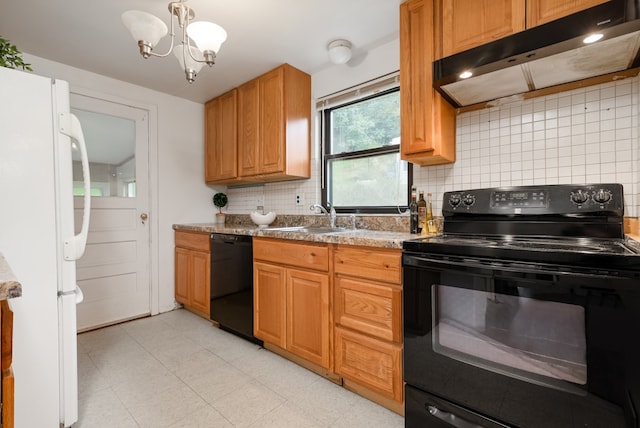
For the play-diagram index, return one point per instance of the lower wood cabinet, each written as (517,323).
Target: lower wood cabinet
(193,271)
(368,319)
(336,306)
(269,303)
(291,298)
(7,385)
(308,326)
(373,363)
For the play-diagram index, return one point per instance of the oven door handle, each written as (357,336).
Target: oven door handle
(450,418)
(457,421)
(492,265)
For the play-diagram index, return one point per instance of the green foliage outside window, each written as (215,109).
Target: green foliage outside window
(366,125)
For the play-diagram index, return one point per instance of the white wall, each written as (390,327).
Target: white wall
(178,193)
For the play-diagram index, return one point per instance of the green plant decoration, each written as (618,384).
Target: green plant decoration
(11,57)
(220,200)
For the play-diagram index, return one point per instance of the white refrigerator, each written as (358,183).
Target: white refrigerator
(38,240)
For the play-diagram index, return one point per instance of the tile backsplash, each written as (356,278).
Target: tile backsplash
(587,135)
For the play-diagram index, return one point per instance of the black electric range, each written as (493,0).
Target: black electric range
(524,312)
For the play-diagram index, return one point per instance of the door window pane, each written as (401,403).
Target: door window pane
(111,150)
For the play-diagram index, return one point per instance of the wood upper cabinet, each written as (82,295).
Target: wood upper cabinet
(291,297)
(272,121)
(193,271)
(275,124)
(470,23)
(427,120)
(542,11)
(248,137)
(221,138)
(260,131)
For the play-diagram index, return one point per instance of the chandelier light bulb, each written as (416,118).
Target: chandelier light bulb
(190,66)
(145,28)
(207,35)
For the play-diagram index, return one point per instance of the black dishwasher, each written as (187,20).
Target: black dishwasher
(232,284)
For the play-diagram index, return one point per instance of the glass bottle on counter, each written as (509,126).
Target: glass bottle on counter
(413,212)
(429,221)
(422,212)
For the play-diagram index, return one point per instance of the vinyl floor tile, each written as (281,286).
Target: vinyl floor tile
(176,370)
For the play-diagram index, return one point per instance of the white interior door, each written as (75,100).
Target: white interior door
(114,271)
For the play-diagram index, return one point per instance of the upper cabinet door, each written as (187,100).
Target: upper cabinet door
(248,128)
(272,122)
(542,11)
(470,23)
(221,151)
(427,121)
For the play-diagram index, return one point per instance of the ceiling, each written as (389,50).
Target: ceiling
(262,34)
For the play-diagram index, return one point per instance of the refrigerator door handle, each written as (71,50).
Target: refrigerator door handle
(79,295)
(74,246)
(76,292)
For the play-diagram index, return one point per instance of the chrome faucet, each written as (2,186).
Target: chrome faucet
(331,213)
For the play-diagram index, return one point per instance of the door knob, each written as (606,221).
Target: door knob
(143,217)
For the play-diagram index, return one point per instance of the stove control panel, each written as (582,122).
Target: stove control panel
(519,198)
(563,199)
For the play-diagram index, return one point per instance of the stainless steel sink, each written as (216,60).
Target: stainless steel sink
(308,229)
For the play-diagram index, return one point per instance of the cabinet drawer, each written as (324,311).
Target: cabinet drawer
(376,264)
(372,363)
(310,256)
(368,307)
(192,240)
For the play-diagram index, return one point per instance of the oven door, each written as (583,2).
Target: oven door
(519,344)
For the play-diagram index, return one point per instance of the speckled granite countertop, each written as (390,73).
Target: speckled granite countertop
(9,285)
(363,237)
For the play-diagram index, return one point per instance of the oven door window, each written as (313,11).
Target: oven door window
(530,339)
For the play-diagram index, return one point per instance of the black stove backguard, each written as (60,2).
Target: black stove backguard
(590,210)
(525,312)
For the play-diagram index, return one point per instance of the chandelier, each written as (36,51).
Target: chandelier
(147,30)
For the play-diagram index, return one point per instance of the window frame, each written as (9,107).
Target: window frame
(327,157)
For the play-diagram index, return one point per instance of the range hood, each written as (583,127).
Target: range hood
(544,56)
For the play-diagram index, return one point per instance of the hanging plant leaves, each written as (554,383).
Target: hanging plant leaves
(11,57)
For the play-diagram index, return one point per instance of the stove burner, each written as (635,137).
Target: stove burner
(568,245)
(559,244)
